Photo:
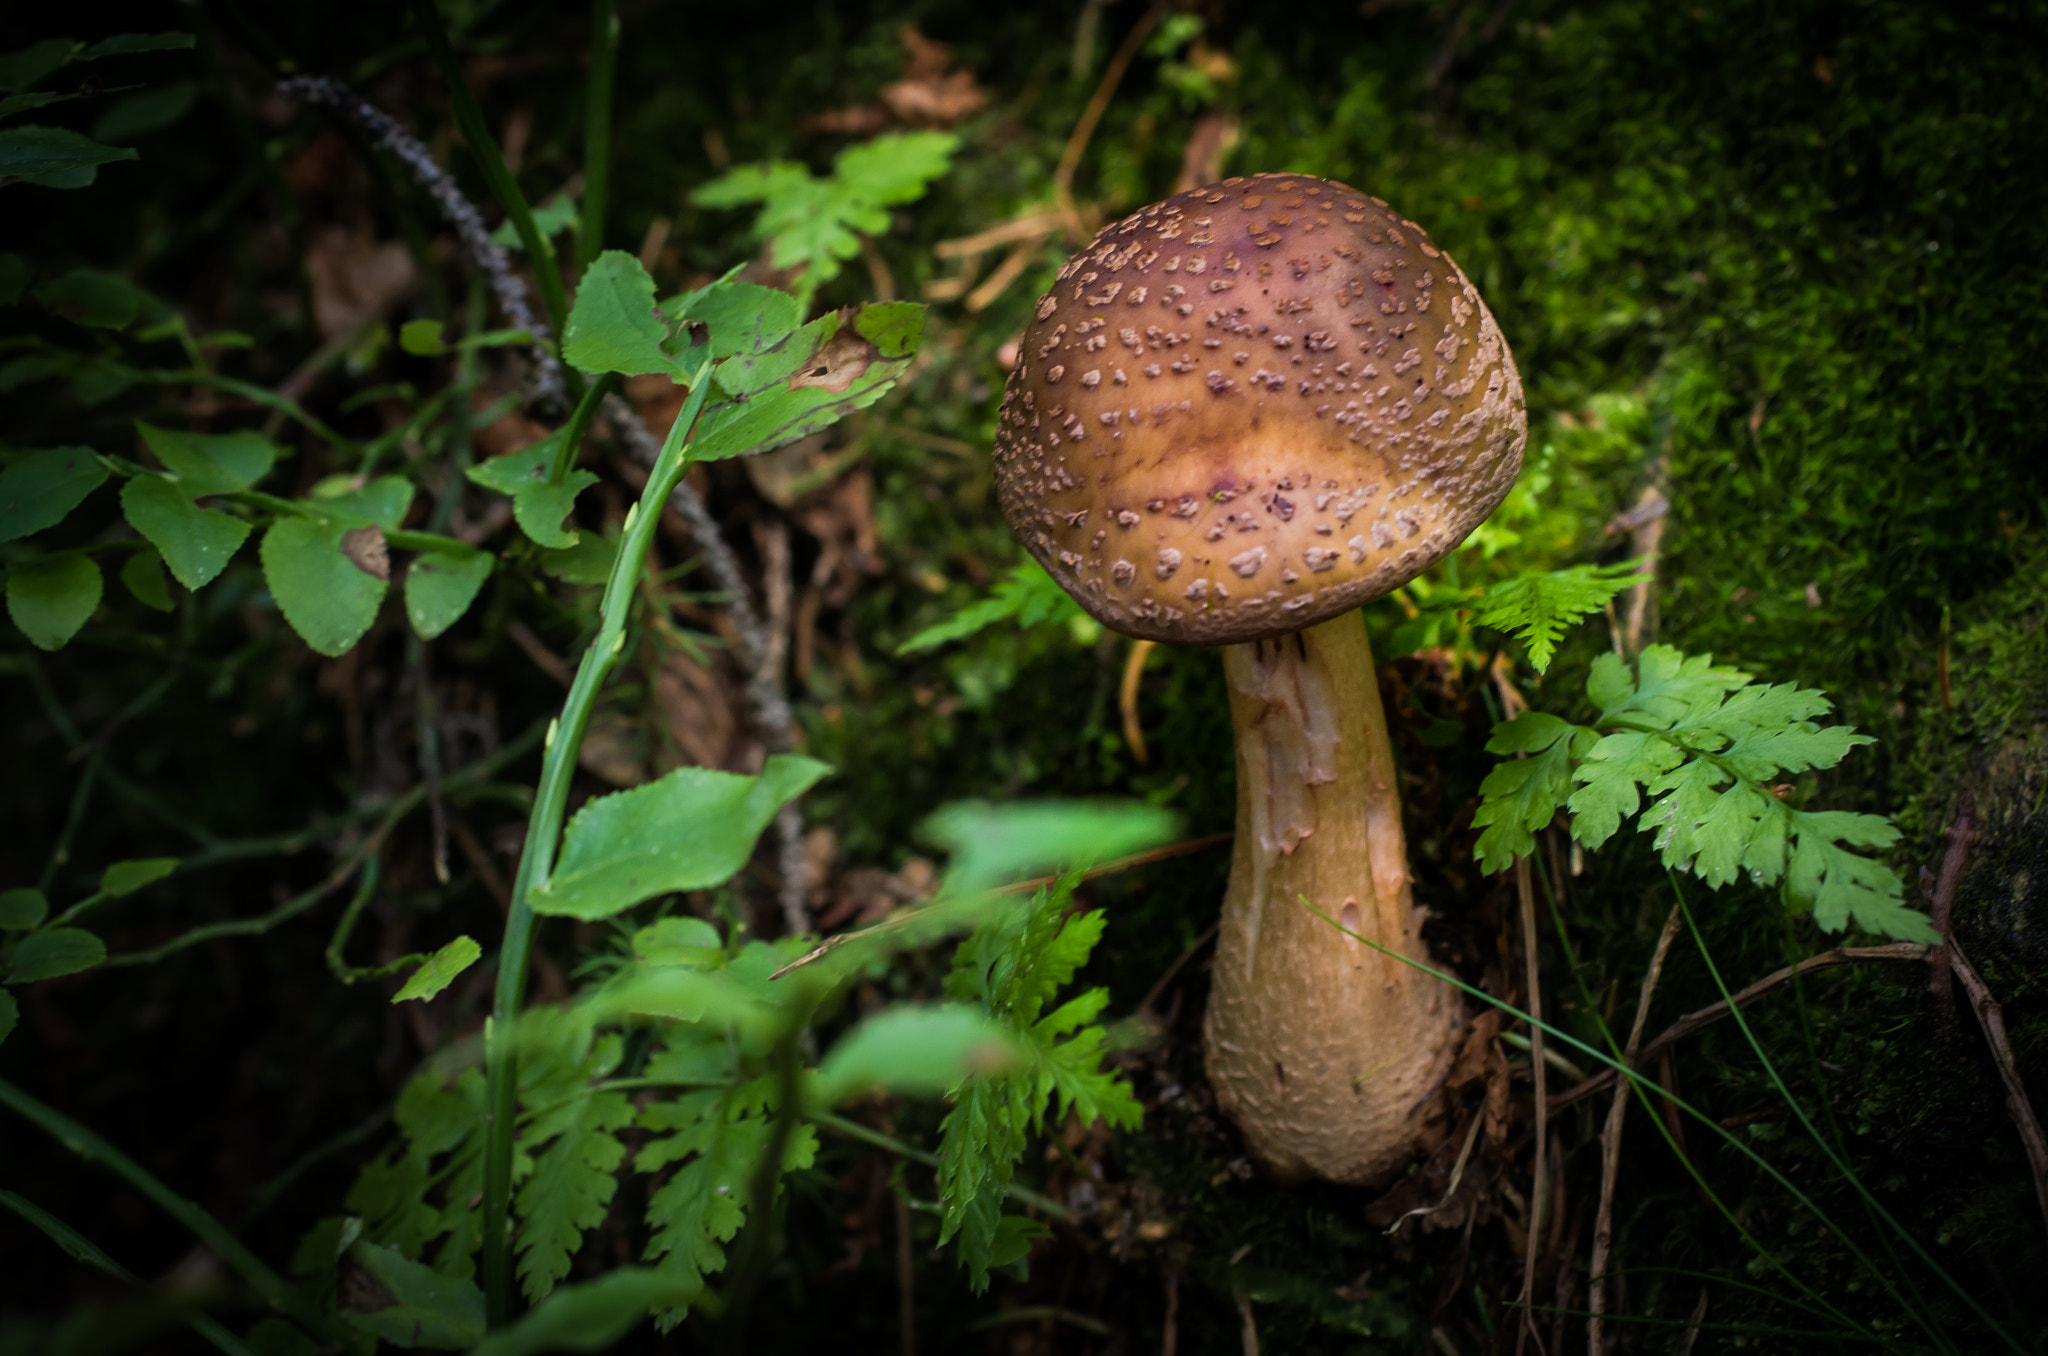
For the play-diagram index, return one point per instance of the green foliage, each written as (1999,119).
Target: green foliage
(440,970)
(440,588)
(1536,608)
(1027,593)
(691,829)
(1706,742)
(590,1316)
(614,325)
(1011,967)
(22,910)
(321,586)
(812,223)
(49,599)
(440,1313)
(52,952)
(43,487)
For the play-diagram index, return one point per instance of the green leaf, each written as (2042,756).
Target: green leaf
(51,598)
(382,503)
(442,1313)
(95,298)
(571,1185)
(743,318)
(439,589)
(49,954)
(10,1013)
(558,215)
(914,1051)
(591,1316)
(197,543)
(145,111)
(439,970)
(816,223)
(614,325)
(677,940)
(541,508)
(690,830)
(327,598)
(1026,593)
(212,463)
(125,878)
(40,489)
(1518,797)
(22,909)
(126,44)
(995,844)
(27,67)
(515,471)
(143,575)
(589,561)
(421,338)
(720,1136)
(1537,608)
(844,372)
(55,157)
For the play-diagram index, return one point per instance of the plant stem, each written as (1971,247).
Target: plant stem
(536,859)
(579,423)
(208,1230)
(470,118)
(852,1129)
(597,129)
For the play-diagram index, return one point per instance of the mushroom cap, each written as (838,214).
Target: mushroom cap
(1251,407)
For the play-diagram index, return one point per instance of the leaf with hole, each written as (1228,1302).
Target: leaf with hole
(439,589)
(197,543)
(56,952)
(51,598)
(326,596)
(40,489)
(692,829)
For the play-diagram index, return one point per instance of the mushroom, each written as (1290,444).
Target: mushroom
(1238,415)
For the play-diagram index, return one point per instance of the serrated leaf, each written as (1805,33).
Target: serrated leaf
(690,830)
(212,463)
(197,543)
(439,970)
(1026,593)
(1537,608)
(55,157)
(439,589)
(516,470)
(58,951)
(40,489)
(839,381)
(125,878)
(914,1052)
(614,325)
(22,909)
(1519,796)
(327,598)
(571,1185)
(1608,779)
(1530,732)
(443,1313)
(142,574)
(49,599)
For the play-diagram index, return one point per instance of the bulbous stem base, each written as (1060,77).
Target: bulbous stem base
(1329,1055)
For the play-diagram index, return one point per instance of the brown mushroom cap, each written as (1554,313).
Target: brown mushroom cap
(1252,407)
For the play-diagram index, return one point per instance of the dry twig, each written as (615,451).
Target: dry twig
(1962,834)
(1077,144)
(1610,1149)
(1540,1074)
(1992,1018)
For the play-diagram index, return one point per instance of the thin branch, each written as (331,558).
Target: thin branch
(1532,977)
(1962,834)
(1992,1017)
(507,286)
(1610,1148)
(1112,76)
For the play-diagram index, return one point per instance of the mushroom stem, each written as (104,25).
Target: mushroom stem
(1327,1053)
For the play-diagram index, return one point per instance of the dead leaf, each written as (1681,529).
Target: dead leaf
(839,362)
(354,279)
(928,95)
(366,550)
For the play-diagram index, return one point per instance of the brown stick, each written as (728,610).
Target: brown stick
(1707,1016)
(1992,1018)
(1112,76)
(1610,1149)
(1532,977)
(1962,834)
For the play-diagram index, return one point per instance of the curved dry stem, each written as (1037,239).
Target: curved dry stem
(1328,1054)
